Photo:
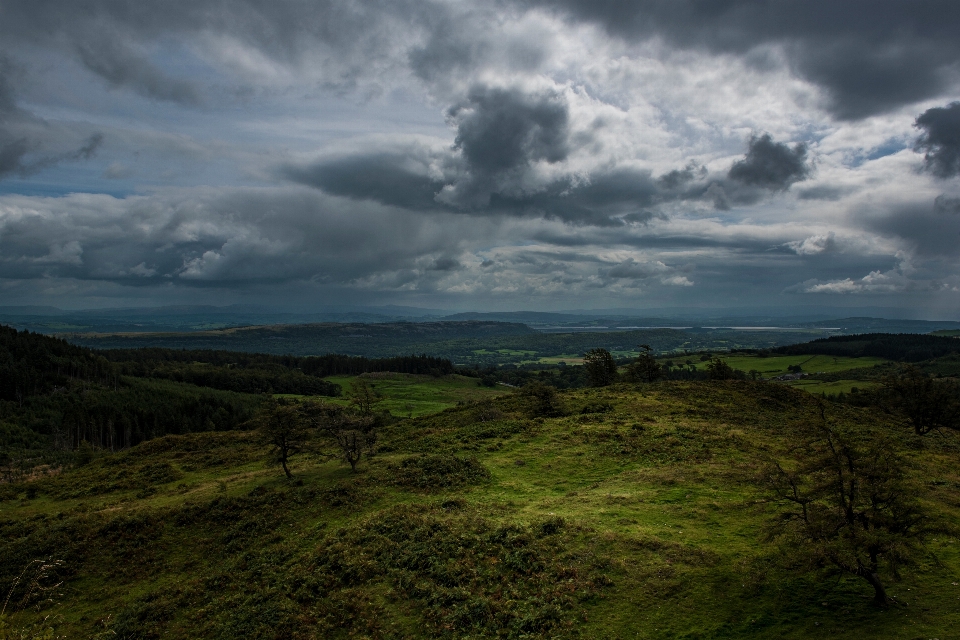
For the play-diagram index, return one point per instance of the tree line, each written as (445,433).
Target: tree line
(900,347)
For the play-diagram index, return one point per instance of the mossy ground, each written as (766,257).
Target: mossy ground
(634,515)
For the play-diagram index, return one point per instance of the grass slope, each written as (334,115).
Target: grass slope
(408,395)
(635,515)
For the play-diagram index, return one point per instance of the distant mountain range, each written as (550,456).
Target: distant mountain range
(186,318)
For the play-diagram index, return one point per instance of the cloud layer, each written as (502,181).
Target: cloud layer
(480,155)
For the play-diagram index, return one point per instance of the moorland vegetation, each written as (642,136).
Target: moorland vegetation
(649,500)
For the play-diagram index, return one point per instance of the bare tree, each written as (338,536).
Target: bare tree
(355,441)
(355,435)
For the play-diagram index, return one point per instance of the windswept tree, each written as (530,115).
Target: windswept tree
(846,504)
(283,426)
(601,367)
(363,397)
(355,435)
(927,403)
(356,439)
(645,368)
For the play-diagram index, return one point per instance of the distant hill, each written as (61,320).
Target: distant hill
(536,317)
(893,346)
(885,325)
(371,340)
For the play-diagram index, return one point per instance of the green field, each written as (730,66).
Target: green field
(637,514)
(568,358)
(411,396)
(774,366)
(819,387)
(504,352)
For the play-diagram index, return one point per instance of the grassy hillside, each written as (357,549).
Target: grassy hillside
(638,513)
(409,395)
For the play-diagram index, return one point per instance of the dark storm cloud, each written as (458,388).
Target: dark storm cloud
(940,139)
(870,55)
(770,165)
(502,129)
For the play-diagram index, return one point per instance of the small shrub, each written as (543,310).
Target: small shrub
(550,526)
(596,407)
(427,472)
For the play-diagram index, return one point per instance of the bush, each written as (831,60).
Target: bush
(543,400)
(426,472)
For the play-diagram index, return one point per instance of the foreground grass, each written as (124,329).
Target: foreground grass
(635,515)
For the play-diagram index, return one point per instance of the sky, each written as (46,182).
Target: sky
(497,155)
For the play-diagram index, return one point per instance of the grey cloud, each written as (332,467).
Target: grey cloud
(643,217)
(12,151)
(940,139)
(13,147)
(85,152)
(229,237)
(501,134)
(630,269)
(117,171)
(870,55)
(502,129)
(770,165)
(355,38)
(22,144)
(946,204)
(922,230)
(824,192)
(14,155)
(422,178)
(718,194)
(389,177)
(121,66)
(677,178)
(444,263)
